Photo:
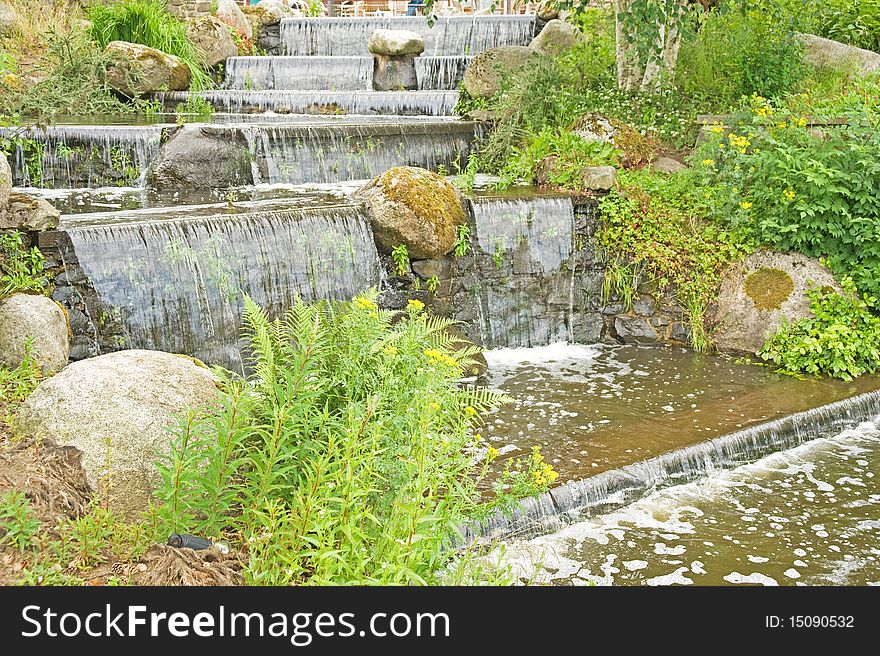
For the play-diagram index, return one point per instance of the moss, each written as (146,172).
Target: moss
(769,288)
(428,195)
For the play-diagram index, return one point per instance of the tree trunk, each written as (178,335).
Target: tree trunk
(627,54)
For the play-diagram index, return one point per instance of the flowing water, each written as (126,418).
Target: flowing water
(334,73)
(449,35)
(809,515)
(177,285)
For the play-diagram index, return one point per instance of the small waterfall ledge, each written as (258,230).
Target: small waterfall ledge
(616,488)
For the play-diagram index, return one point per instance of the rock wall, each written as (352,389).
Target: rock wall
(189,8)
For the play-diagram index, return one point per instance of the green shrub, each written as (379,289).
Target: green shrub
(842,339)
(856,22)
(799,189)
(18,527)
(147,22)
(347,457)
(652,231)
(733,52)
(21,269)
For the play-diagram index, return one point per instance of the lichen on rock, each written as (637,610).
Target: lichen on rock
(768,288)
(415,207)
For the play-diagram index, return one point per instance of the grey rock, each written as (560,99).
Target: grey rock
(668,165)
(229,12)
(826,52)
(760,292)
(39,319)
(635,330)
(129,398)
(5,181)
(599,178)
(202,156)
(440,267)
(396,73)
(25,212)
(395,43)
(556,38)
(7,19)
(485,74)
(212,40)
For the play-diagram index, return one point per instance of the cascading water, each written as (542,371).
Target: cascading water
(298,154)
(406,103)
(521,270)
(449,35)
(615,488)
(177,285)
(68,156)
(333,73)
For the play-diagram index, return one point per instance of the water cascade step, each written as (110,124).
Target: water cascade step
(423,103)
(529,281)
(177,285)
(69,156)
(449,35)
(334,73)
(618,487)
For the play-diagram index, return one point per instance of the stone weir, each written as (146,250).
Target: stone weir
(615,488)
(449,35)
(295,101)
(227,154)
(334,73)
(173,281)
(76,156)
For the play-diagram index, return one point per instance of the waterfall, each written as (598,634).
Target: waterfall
(69,156)
(424,103)
(330,153)
(177,285)
(523,248)
(616,488)
(333,73)
(450,35)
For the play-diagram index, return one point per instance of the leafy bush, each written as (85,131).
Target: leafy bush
(21,269)
(147,22)
(799,189)
(18,527)
(856,22)
(842,339)
(346,458)
(735,51)
(652,230)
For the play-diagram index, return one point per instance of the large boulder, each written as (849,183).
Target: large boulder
(229,12)
(5,181)
(277,9)
(34,326)
(759,292)
(125,401)
(417,208)
(202,156)
(825,52)
(556,38)
(135,70)
(485,74)
(395,43)
(212,40)
(23,212)
(7,19)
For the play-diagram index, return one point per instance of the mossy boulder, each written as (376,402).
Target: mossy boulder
(486,73)
(761,292)
(23,212)
(129,399)
(415,207)
(135,70)
(557,38)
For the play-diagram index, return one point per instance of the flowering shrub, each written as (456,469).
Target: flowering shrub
(800,188)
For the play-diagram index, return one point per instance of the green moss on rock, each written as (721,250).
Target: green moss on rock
(769,288)
(425,193)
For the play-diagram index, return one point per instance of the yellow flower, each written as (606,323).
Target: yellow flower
(362,303)
(782,125)
(717,129)
(435,405)
(415,306)
(802,122)
(788,194)
(746,205)
(491,454)
(708,162)
(469,410)
(390,351)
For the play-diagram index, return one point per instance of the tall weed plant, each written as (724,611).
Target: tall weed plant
(147,22)
(347,457)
